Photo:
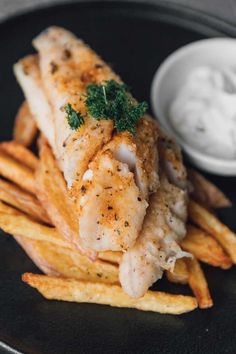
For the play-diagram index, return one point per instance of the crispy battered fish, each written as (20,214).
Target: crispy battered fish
(156,248)
(113,206)
(28,75)
(116,189)
(65,67)
(171,160)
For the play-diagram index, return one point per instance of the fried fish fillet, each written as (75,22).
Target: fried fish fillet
(156,249)
(29,77)
(113,207)
(116,192)
(66,66)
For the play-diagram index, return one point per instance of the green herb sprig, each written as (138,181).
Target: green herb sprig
(75,119)
(111,101)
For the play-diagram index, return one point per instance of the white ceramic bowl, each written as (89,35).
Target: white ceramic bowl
(170,76)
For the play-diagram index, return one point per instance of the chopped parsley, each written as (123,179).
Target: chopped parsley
(111,101)
(75,119)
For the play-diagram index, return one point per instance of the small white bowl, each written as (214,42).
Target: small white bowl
(170,76)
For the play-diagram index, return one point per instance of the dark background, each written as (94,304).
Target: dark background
(223,9)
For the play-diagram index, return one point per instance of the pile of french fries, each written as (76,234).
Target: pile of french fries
(35,208)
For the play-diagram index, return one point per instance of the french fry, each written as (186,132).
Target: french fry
(180,273)
(208,222)
(25,128)
(20,153)
(206,193)
(17,173)
(53,195)
(55,288)
(22,226)
(110,256)
(8,210)
(35,250)
(198,284)
(74,265)
(52,192)
(17,197)
(205,248)
(104,271)
(15,223)
(52,260)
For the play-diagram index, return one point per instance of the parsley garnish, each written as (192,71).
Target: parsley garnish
(75,119)
(112,100)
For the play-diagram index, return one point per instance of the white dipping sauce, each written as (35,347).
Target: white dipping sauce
(204,111)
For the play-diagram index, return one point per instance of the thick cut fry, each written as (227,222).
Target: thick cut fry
(180,273)
(8,210)
(17,197)
(206,192)
(35,250)
(20,153)
(17,173)
(25,128)
(22,226)
(105,271)
(198,284)
(53,195)
(81,291)
(205,248)
(16,223)
(110,256)
(207,221)
(58,261)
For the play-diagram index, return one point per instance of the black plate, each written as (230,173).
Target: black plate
(134,38)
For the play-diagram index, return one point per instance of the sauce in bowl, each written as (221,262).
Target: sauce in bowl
(203,112)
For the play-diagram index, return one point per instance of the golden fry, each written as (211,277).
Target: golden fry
(53,195)
(207,221)
(20,153)
(25,128)
(36,251)
(52,260)
(198,284)
(95,270)
(180,273)
(110,256)
(8,210)
(17,173)
(17,197)
(205,248)
(15,223)
(22,226)
(55,288)
(206,192)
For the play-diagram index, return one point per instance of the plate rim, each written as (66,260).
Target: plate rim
(193,19)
